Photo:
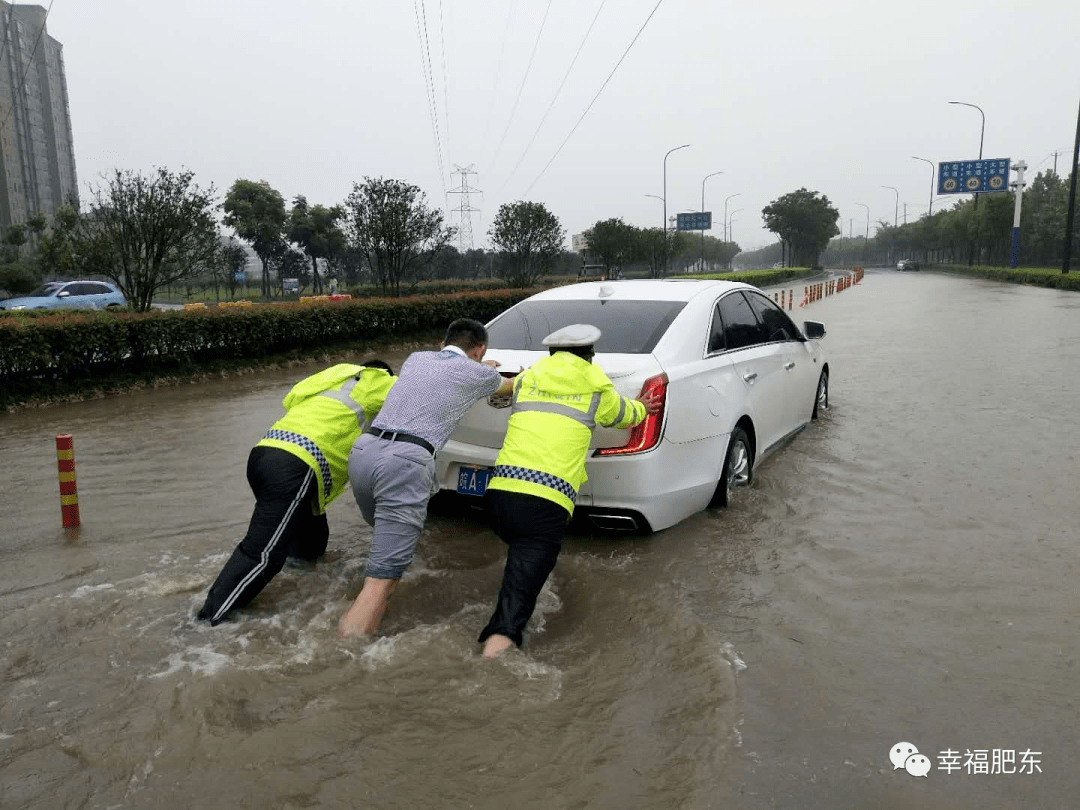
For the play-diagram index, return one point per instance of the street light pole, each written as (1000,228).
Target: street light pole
(669,151)
(703,211)
(896,209)
(982,131)
(727,228)
(933,170)
(866,238)
(729,196)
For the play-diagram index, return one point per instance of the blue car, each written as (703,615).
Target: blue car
(70,295)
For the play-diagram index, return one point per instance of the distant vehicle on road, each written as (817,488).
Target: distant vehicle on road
(70,295)
(907,264)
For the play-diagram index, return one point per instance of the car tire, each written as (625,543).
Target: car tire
(738,469)
(821,394)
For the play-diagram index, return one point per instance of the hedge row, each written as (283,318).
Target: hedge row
(1037,276)
(42,351)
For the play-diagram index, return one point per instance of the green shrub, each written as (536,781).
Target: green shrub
(52,353)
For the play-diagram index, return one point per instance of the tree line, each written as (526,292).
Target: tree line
(145,231)
(617,246)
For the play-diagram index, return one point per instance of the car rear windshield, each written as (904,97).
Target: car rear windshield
(626,327)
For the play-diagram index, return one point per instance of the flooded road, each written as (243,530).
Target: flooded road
(903,571)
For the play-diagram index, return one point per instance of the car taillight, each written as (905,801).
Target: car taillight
(645,435)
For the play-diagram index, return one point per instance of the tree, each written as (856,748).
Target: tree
(528,237)
(316,232)
(232,261)
(395,232)
(611,241)
(805,221)
(145,231)
(257,213)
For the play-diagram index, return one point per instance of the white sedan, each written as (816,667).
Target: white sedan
(737,376)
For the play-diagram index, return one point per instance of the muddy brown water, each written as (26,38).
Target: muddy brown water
(904,570)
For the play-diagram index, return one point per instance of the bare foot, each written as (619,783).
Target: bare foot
(495,644)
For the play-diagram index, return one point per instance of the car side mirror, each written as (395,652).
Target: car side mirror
(63,294)
(814,330)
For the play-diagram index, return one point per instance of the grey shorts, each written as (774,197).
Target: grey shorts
(392,483)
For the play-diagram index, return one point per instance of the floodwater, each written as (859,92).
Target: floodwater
(903,571)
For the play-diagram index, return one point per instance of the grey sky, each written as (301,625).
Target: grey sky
(835,96)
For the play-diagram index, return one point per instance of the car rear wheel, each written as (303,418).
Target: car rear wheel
(821,398)
(738,470)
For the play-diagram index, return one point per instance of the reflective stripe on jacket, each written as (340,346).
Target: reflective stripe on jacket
(557,402)
(325,413)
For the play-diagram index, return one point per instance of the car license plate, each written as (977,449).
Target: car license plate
(473,480)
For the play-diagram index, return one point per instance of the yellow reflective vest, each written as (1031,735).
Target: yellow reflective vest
(556,404)
(325,413)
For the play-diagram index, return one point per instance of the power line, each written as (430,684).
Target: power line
(433,112)
(29,62)
(498,69)
(598,92)
(556,96)
(523,80)
(446,79)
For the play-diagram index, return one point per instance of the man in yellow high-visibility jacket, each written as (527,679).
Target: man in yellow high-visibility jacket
(298,467)
(556,404)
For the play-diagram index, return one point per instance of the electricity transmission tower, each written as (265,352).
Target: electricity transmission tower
(465,209)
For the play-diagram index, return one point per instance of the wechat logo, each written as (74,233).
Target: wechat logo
(905,755)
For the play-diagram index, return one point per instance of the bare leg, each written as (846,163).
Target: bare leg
(367,610)
(495,644)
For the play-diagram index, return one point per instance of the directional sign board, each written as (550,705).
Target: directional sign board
(694,221)
(973,176)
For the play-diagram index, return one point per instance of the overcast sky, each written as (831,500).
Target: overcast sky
(832,95)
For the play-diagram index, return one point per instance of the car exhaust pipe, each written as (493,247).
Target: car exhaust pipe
(619,523)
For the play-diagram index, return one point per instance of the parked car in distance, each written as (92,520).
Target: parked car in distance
(907,264)
(737,379)
(70,295)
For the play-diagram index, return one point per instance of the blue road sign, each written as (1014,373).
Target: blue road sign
(694,221)
(973,176)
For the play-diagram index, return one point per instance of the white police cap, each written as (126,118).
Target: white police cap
(575,335)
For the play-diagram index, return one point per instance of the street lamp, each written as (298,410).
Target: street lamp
(930,211)
(669,151)
(729,196)
(982,129)
(866,238)
(706,177)
(727,228)
(896,209)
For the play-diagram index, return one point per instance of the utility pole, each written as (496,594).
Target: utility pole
(465,209)
(1072,197)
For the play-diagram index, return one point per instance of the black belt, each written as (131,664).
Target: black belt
(398,436)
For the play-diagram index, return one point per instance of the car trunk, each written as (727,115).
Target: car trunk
(484,425)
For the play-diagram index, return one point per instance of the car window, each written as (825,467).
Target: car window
(93,288)
(626,327)
(778,325)
(716,332)
(44,290)
(741,326)
(71,289)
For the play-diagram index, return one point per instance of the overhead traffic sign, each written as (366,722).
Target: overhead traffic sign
(973,176)
(694,221)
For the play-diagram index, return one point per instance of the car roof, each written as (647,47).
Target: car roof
(651,289)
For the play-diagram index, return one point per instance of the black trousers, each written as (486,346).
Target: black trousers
(283,524)
(533,530)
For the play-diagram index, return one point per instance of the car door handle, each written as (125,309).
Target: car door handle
(789,365)
(750,377)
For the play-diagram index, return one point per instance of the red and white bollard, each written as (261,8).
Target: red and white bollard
(65,463)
